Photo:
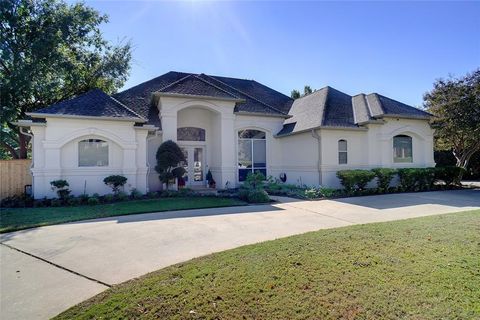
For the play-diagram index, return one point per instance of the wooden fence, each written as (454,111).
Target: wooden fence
(14,176)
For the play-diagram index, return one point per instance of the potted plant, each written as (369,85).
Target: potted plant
(211,182)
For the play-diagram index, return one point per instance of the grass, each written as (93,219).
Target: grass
(12,219)
(424,268)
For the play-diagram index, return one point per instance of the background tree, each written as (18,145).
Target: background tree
(295,94)
(51,51)
(169,155)
(307,90)
(455,103)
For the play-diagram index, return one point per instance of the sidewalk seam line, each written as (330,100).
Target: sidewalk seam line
(57,265)
(322,214)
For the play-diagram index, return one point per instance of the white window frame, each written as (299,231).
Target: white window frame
(342,151)
(94,166)
(253,168)
(399,159)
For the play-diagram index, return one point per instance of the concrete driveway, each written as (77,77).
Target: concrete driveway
(48,269)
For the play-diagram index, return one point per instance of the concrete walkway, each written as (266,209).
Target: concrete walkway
(48,269)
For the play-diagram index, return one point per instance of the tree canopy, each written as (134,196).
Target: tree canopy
(51,51)
(455,103)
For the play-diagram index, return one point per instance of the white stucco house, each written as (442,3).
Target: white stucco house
(226,125)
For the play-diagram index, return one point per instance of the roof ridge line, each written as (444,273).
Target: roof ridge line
(266,104)
(123,105)
(215,86)
(175,82)
(325,106)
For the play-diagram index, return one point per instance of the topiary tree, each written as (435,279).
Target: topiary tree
(169,155)
(61,188)
(115,182)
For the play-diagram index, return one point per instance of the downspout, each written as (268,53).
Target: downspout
(319,163)
(31,164)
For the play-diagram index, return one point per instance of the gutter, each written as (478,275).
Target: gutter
(319,163)
(71,116)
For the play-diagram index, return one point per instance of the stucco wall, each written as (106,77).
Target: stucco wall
(299,159)
(56,155)
(373,148)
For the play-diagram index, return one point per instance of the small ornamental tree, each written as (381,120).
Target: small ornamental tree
(115,182)
(61,188)
(169,155)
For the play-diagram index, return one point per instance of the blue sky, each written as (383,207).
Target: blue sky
(396,49)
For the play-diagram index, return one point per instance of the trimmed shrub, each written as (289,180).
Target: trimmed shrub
(121,196)
(115,182)
(135,194)
(450,175)
(327,192)
(93,201)
(84,198)
(384,177)
(426,178)
(253,190)
(109,198)
(408,178)
(74,201)
(152,194)
(257,196)
(355,178)
(56,203)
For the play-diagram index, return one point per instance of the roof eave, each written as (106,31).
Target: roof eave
(71,116)
(28,123)
(322,128)
(260,114)
(406,116)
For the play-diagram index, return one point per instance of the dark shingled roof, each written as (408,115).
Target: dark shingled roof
(256,97)
(329,107)
(195,85)
(326,107)
(94,103)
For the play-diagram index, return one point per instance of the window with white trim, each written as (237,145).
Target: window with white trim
(252,153)
(342,152)
(92,153)
(402,149)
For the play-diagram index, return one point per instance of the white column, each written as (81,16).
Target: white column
(169,126)
(141,156)
(227,148)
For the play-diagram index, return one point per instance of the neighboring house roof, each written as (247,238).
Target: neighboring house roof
(329,107)
(255,97)
(94,103)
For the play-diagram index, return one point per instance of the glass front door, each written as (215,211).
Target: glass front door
(194,166)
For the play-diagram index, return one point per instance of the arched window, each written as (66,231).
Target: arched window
(190,134)
(252,153)
(402,149)
(342,152)
(92,153)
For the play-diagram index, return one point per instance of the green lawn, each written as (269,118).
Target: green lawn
(22,218)
(424,268)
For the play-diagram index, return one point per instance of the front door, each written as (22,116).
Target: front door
(194,166)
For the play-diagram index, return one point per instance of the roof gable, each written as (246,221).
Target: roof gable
(194,85)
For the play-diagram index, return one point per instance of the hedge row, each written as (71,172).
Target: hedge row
(410,179)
